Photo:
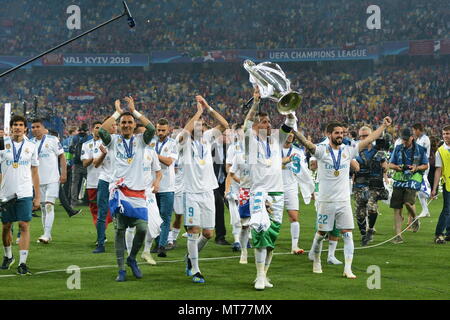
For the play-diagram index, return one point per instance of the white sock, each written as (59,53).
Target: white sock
(202,241)
(295,233)
(8,252)
(192,246)
(174,234)
(148,243)
(331,248)
(129,236)
(23,256)
(423,202)
(43,215)
(260,260)
(236,233)
(243,237)
(317,246)
(50,210)
(268,261)
(348,250)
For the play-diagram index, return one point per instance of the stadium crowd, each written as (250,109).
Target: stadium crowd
(354,97)
(199,25)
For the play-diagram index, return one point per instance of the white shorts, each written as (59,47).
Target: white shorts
(291,199)
(331,213)
(200,210)
(49,192)
(272,203)
(178,203)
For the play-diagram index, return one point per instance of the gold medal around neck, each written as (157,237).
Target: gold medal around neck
(336,173)
(15,165)
(202,162)
(130,160)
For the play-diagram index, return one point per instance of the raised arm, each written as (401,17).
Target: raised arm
(149,127)
(253,110)
(104,130)
(223,124)
(311,147)
(190,124)
(387,121)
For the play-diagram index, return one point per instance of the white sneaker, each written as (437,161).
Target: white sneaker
(349,274)
(317,267)
(243,259)
(267,283)
(333,260)
(260,283)
(148,258)
(297,251)
(424,214)
(44,239)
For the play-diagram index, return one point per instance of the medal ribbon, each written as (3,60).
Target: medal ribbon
(158,151)
(289,152)
(128,149)
(16,155)
(42,143)
(337,163)
(200,153)
(267,147)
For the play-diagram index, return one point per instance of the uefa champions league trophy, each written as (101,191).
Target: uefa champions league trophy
(273,84)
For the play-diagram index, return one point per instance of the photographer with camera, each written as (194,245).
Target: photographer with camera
(410,161)
(368,185)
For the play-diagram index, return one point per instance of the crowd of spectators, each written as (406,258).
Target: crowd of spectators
(32,26)
(409,94)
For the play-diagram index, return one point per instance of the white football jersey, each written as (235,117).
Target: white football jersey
(298,155)
(332,187)
(150,165)
(49,149)
(241,168)
(198,164)
(168,148)
(105,167)
(17,181)
(128,166)
(90,150)
(425,142)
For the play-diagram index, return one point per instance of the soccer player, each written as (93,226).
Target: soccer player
(102,161)
(266,189)
(291,157)
(199,183)
(50,152)
(20,175)
(127,199)
(334,205)
(89,151)
(167,152)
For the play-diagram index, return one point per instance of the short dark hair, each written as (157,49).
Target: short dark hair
(446,127)
(418,126)
(163,122)
(17,118)
(126,113)
(139,125)
(96,122)
(332,125)
(37,120)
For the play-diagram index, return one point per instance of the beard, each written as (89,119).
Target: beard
(336,142)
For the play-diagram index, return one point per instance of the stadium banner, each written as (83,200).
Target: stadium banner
(7,62)
(444,47)
(286,55)
(80,97)
(421,48)
(93,60)
(394,48)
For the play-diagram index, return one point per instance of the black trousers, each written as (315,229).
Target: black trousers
(220,212)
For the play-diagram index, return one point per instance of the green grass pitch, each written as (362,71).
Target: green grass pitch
(416,269)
